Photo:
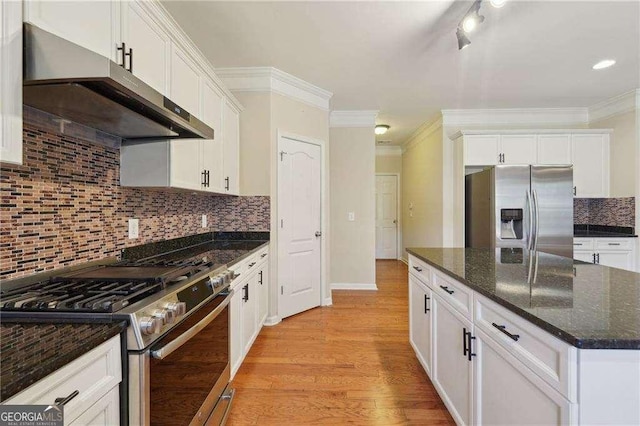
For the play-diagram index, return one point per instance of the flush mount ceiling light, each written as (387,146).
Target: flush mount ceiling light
(381,129)
(605,63)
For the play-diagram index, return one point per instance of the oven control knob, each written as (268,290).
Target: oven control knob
(217,281)
(178,308)
(150,325)
(167,316)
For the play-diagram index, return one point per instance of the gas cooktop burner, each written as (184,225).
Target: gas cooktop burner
(65,295)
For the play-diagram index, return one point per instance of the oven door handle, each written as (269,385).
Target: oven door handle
(168,349)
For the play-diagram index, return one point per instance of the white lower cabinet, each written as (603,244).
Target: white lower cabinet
(452,361)
(248,305)
(613,252)
(95,376)
(508,393)
(420,311)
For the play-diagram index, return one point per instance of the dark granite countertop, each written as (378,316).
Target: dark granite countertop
(597,234)
(603,231)
(588,306)
(31,351)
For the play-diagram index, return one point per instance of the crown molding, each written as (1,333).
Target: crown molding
(515,116)
(426,129)
(269,79)
(626,102)
(388,151)
(364,118)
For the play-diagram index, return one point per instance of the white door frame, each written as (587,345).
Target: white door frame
(325,297)
(398,215)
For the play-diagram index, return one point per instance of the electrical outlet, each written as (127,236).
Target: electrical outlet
(133,228)
(204,220)
(351,216)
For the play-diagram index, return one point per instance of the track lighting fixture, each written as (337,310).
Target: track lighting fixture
(463,40)
(471,20)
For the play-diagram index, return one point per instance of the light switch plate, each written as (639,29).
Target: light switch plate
(204,220)
(351,216)
(133,228)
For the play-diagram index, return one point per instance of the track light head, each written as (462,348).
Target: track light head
(463,40)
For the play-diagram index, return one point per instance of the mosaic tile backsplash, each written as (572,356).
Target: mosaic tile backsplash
(605,211)
(65,206)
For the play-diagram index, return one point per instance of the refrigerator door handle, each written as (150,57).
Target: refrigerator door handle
(530,231)
(537,220)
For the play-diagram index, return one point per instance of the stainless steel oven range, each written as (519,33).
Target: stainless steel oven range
(178,335)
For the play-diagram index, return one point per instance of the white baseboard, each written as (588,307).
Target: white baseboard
(403,260)
(353,286)
(327,301)
(271,321)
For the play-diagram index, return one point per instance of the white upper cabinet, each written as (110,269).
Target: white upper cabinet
(185,82)
(481,150)
(150,46)
(554,149)
(11,82)
(518,149)
(590,165)
(211,153)
(90,24)
(231,141)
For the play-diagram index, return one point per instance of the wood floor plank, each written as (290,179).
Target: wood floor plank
(346,364)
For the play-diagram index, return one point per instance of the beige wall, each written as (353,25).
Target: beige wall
(388,164)
(255,144)
(422,186)
(622,152)
(352,188)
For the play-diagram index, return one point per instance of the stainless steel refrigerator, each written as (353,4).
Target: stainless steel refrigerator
(528,207)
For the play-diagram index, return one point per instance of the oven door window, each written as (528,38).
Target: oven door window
(181,382)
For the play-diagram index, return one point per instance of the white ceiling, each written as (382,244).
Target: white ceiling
(402,58)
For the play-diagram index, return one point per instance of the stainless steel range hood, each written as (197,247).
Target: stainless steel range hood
(77,84)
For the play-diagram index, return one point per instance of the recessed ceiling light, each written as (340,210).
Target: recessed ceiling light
(381,129)
(497,3)
(605,63)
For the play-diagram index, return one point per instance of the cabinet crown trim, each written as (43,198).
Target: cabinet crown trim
(462,133)
(515,116)
(270,79)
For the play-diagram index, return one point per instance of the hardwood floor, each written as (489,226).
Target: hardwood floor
(350,363)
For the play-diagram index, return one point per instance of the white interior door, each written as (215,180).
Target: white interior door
(299,239)
(386,217)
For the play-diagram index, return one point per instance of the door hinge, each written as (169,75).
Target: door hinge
(281,289)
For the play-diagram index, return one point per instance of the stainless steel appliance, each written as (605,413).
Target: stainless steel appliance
(75,83)
(529,207)
(178,339)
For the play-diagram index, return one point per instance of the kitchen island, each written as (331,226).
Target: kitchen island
(509,336)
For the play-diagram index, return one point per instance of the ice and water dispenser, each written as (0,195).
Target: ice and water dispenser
(511,224)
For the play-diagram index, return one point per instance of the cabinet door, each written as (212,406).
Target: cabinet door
(263,289)
(105,412)
(585,256)
(622,259)
(231,141)
(150,45)
(90,24)
(420,311)
(236,313)
(554,149)
(452,370)
(185,82)
(184,164)
(506,391)
(249,312)
(212,150)
(481,150)
(518,149)
(11,82)
(590,165)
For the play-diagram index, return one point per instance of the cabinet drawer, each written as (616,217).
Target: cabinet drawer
(240,270)
(613,244)
(262,254)
(420,269)
(93,375)
(548,357)
(583,243)
(456,294)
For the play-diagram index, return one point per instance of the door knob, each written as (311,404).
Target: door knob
(318,234)
(395,221)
